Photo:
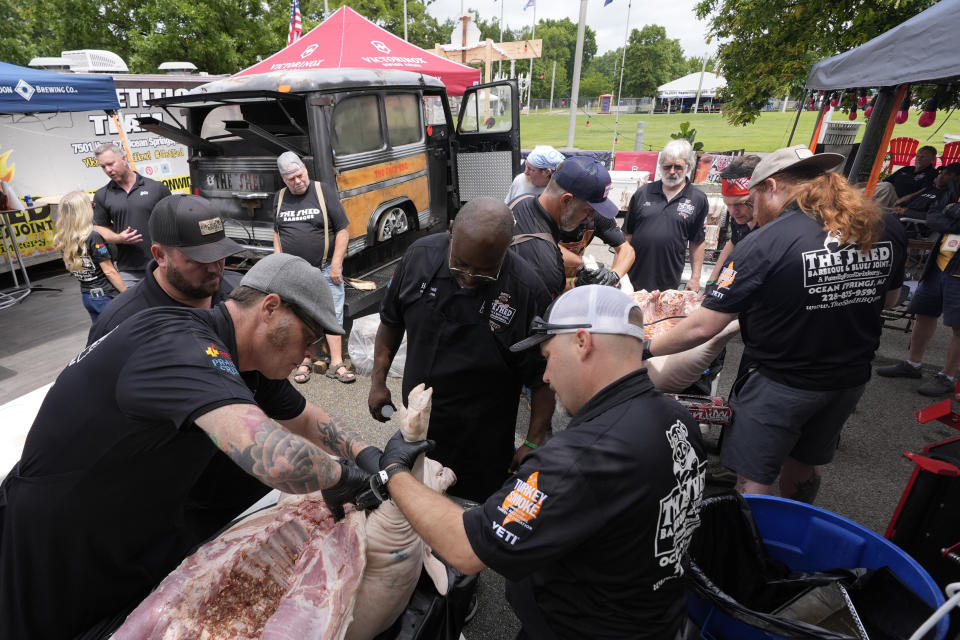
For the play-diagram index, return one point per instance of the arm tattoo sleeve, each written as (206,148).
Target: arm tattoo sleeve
(285,461)
(340,439)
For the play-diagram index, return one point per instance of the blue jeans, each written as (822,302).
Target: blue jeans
(95,303)
(338,294)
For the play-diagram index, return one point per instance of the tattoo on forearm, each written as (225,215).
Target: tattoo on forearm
(285,461)
(339,438)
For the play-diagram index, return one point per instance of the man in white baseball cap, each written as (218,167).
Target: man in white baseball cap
(576,565)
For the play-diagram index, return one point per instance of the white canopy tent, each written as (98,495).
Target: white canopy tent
(686,87)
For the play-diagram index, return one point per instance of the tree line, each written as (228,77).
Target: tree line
(766,47)
(225,36)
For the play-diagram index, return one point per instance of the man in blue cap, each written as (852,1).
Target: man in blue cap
(576,192)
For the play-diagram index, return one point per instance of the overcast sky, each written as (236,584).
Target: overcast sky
(609,23)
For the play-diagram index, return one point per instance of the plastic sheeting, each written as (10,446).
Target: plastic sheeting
(363,335)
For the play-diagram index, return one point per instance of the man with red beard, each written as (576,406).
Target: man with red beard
(736,196)
(808,286)
(189,252)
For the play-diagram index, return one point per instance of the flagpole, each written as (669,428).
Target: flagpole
(577,62)
(500,62)
(623,62)
(404,20)
(533,36)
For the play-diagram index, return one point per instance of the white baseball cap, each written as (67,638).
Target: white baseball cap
(594,307)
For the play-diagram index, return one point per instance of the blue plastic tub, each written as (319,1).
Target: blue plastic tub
(807,538)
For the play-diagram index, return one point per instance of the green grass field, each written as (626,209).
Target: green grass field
(771,130)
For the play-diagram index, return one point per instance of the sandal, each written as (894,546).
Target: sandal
(301,377)
(347,377)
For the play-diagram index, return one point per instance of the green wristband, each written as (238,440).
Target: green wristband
(530,444)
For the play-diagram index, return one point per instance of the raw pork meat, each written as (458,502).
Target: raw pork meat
(662,309)
(288,572)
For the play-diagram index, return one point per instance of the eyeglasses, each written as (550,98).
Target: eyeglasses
(463,273)
(673,167)
(746,205)
(307,322)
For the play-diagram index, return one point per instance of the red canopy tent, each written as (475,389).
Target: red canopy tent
(346,40)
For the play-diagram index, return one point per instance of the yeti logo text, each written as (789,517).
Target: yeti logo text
(309,51)
(379,46)
(25,90)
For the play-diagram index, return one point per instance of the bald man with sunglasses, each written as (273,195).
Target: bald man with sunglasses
(463,299)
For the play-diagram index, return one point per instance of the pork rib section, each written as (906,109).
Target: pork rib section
(285,573)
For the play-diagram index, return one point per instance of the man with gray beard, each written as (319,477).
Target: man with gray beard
(577,191)
(663,219)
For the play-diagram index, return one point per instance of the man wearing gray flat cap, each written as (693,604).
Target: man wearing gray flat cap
(107,484)
(808,285)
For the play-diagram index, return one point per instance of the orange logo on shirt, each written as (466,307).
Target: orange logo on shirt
(523,504)
(726,277)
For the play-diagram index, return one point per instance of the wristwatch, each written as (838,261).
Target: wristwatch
(378,481)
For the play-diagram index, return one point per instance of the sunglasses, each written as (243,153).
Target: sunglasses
(541,326)
(307,322)
(673,167)
(463,273)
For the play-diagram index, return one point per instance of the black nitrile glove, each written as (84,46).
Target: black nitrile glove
(369,459)
(401,453)
(353,481)
(710,288)
(610,279)
(601,275)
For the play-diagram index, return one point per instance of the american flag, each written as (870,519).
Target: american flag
(296,25)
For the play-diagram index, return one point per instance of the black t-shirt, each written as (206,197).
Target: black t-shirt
(100,507)
(920,204)
(595,522)
(907,180)
(544,256)
(91,276)
(604,228)
(147,294)
(458,342)
(118,209)
(300,222)
(660,231)
(809,309)
(738,231)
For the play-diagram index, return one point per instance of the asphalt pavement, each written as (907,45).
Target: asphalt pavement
(864,482)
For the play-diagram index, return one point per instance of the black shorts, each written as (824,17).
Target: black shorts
(772,421)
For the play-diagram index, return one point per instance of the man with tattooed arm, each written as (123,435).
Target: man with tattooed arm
(102,504)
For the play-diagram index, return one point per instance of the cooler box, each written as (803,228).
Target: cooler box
(807,538)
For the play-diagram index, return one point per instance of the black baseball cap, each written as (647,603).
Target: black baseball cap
(192,225)
(587,179)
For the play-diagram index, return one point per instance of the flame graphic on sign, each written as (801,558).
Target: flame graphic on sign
(6,173)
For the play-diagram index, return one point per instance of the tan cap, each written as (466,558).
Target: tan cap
(793,158)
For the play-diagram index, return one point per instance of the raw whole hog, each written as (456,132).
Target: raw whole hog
(662,310)
(290,572)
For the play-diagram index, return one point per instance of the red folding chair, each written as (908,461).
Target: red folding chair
(902,152)
(951,153)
